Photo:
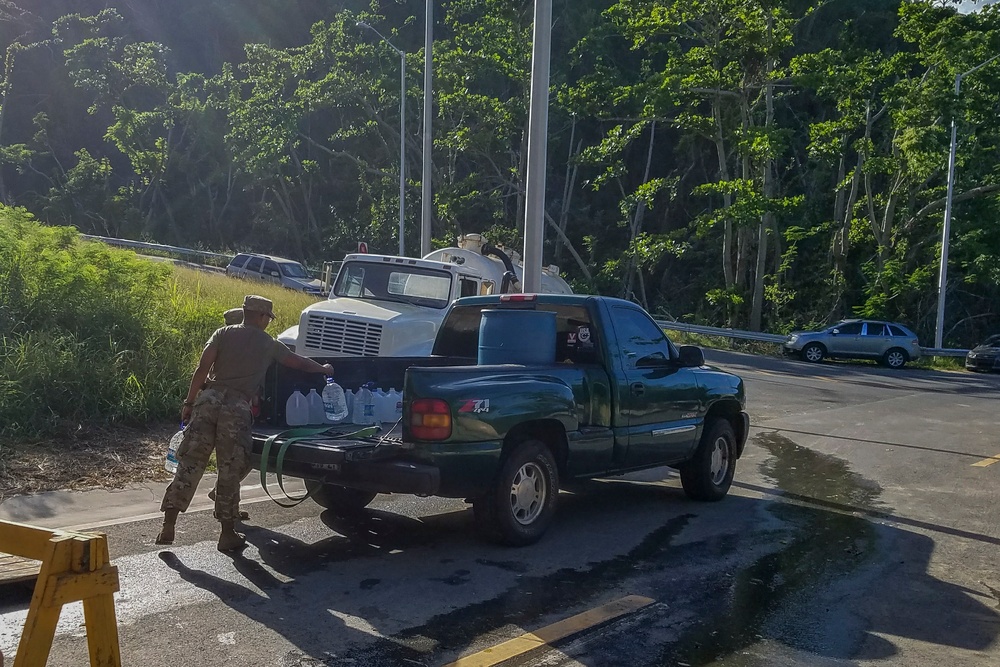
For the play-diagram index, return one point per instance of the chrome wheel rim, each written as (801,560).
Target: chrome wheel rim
(528,491)
(895,359)
(813,353)
(720,460)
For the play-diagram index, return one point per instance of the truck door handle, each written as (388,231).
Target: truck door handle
(638,389)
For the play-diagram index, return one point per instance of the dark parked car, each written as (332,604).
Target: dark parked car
(985,357)
(890,343)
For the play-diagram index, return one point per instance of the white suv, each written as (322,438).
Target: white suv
(278,270)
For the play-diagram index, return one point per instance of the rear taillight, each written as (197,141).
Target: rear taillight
(430,419)
(518,297)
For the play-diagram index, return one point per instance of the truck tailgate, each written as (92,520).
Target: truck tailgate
(375,463)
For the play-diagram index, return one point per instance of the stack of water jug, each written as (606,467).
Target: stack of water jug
(368,406)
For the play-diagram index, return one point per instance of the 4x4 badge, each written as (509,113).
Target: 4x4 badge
(476,405)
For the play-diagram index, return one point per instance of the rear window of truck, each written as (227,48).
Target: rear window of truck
(576,340)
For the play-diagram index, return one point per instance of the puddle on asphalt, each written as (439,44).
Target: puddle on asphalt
(533,598)
(830,542)
(822,544)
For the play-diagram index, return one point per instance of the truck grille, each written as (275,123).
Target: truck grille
(342,336)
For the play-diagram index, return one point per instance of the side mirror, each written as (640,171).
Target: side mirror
(691,356)
(835,332)
(274,274)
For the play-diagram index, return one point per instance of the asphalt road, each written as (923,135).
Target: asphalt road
(863,528)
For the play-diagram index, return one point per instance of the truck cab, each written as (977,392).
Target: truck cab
(386,306)
(382,305)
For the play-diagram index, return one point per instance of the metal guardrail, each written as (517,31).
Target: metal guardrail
(724,333)
(777,339)
(185,252)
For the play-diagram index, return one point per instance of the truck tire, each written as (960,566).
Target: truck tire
(709,474)
(519,508)
(340,499)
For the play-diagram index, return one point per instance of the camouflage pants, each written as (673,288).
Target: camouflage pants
(220,421)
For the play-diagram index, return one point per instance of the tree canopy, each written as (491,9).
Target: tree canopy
(769,164)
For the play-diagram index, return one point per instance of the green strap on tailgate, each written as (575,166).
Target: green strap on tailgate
(288,437)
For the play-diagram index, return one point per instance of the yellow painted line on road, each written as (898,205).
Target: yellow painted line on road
(987,462)
(551,633)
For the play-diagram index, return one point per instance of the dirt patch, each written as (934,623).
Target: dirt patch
(91,457)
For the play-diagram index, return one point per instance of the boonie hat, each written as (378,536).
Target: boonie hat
(258,304)
(233,316)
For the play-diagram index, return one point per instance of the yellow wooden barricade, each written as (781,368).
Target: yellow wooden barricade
(74,568)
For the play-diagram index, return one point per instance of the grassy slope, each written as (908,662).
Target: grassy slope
(97,346)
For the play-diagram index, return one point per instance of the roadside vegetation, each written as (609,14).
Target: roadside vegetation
(93,337)
(765,165)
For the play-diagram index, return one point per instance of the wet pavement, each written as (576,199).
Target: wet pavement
(859,531)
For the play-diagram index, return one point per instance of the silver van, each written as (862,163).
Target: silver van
(278,270)
(890,343)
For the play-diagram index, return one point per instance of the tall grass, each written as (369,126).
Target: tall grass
(93,334)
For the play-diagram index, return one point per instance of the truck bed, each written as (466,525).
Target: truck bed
(349,372)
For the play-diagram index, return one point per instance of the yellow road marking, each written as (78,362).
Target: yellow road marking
(987,462)
(550,633)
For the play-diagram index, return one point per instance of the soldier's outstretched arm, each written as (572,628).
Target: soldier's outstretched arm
(305,364)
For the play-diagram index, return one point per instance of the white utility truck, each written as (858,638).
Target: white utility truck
(389,306)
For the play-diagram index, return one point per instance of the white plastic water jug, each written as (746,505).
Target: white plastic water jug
(349,397)
(297,409)
(175,442)
(382,407)
(363,410)
(396,403)
(334,402)
(317,414)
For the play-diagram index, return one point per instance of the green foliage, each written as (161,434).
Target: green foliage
(89,333)
(823,123)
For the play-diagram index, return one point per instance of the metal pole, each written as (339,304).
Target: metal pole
(425,177)
(538,127)
(946,227)
(402,151)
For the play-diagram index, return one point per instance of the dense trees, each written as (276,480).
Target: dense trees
(761,163)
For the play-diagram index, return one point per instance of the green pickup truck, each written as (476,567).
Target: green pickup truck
(618,397)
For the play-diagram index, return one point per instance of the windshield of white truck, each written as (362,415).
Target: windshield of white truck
(392,282)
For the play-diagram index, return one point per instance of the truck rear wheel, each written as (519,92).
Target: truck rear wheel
(709,474)
(339,498)
(519,508)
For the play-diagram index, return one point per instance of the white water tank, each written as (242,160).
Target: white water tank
(469,253)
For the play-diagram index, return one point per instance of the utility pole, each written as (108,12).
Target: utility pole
(538,130)
(426,194)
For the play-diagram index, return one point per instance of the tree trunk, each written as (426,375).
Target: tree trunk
(727,198)
(767,219)
(569,185)
(640,212)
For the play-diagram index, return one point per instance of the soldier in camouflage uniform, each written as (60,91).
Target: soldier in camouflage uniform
(217,411)
(232,317)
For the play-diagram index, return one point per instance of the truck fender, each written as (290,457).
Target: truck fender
(730,410)
(523,398)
